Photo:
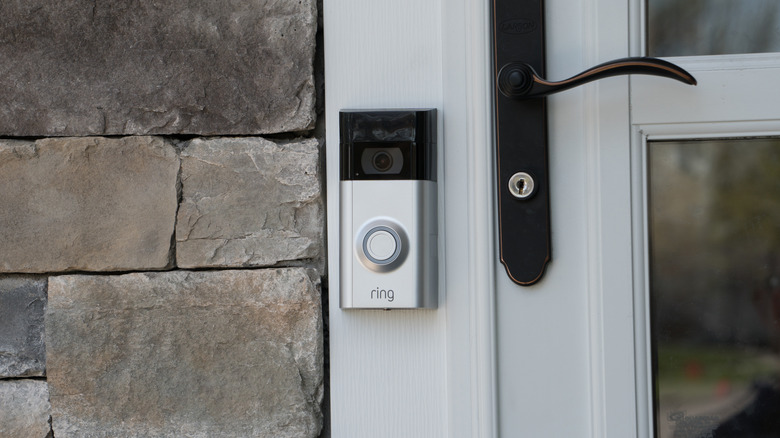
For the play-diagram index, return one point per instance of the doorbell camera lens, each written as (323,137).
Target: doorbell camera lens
(382,161)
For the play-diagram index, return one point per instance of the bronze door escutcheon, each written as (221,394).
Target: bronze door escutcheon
(521,130)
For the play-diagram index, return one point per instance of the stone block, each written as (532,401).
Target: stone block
(92,204)
(117,67)
(24,409)
(249,202)
(197,354)
(22,305)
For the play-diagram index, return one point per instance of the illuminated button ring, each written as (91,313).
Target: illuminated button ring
(382,246)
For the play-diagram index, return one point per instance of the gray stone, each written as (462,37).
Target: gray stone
(24,409)
(95,204)
(22,305)
(249,202)
(197,354)
(116,67)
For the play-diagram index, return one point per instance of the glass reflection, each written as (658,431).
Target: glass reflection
(714,218)
(712,27)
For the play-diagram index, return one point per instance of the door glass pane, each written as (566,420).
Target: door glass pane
(714,227)
(712,27)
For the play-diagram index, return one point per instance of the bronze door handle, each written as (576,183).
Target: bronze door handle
(518,80)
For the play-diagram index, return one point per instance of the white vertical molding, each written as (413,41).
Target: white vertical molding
(608,144)
(482,206)
(637,19)
(388,368)
(593,208)
(642,349)
(468,139)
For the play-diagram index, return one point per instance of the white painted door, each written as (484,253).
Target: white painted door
(631,176)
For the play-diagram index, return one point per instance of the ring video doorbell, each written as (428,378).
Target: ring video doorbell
(388,246)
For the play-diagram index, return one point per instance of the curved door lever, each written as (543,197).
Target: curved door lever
(520,107)
(518,80)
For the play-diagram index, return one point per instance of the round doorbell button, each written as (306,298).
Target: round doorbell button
(382,245)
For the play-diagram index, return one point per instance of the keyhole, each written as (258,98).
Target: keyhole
(521,185)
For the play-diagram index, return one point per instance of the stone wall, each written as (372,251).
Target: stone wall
(161,219)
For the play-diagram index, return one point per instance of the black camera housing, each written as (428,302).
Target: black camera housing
(388,144)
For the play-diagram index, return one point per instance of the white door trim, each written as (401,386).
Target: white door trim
(419,373)
(468,127)
(607,139)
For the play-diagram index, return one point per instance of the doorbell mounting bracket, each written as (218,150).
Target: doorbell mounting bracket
(388,248)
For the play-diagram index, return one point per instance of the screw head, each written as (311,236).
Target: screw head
(521,185)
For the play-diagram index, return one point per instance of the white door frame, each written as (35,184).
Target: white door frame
(418,373)
(470,298)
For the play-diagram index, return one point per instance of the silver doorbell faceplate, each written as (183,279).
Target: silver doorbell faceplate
(389,237)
